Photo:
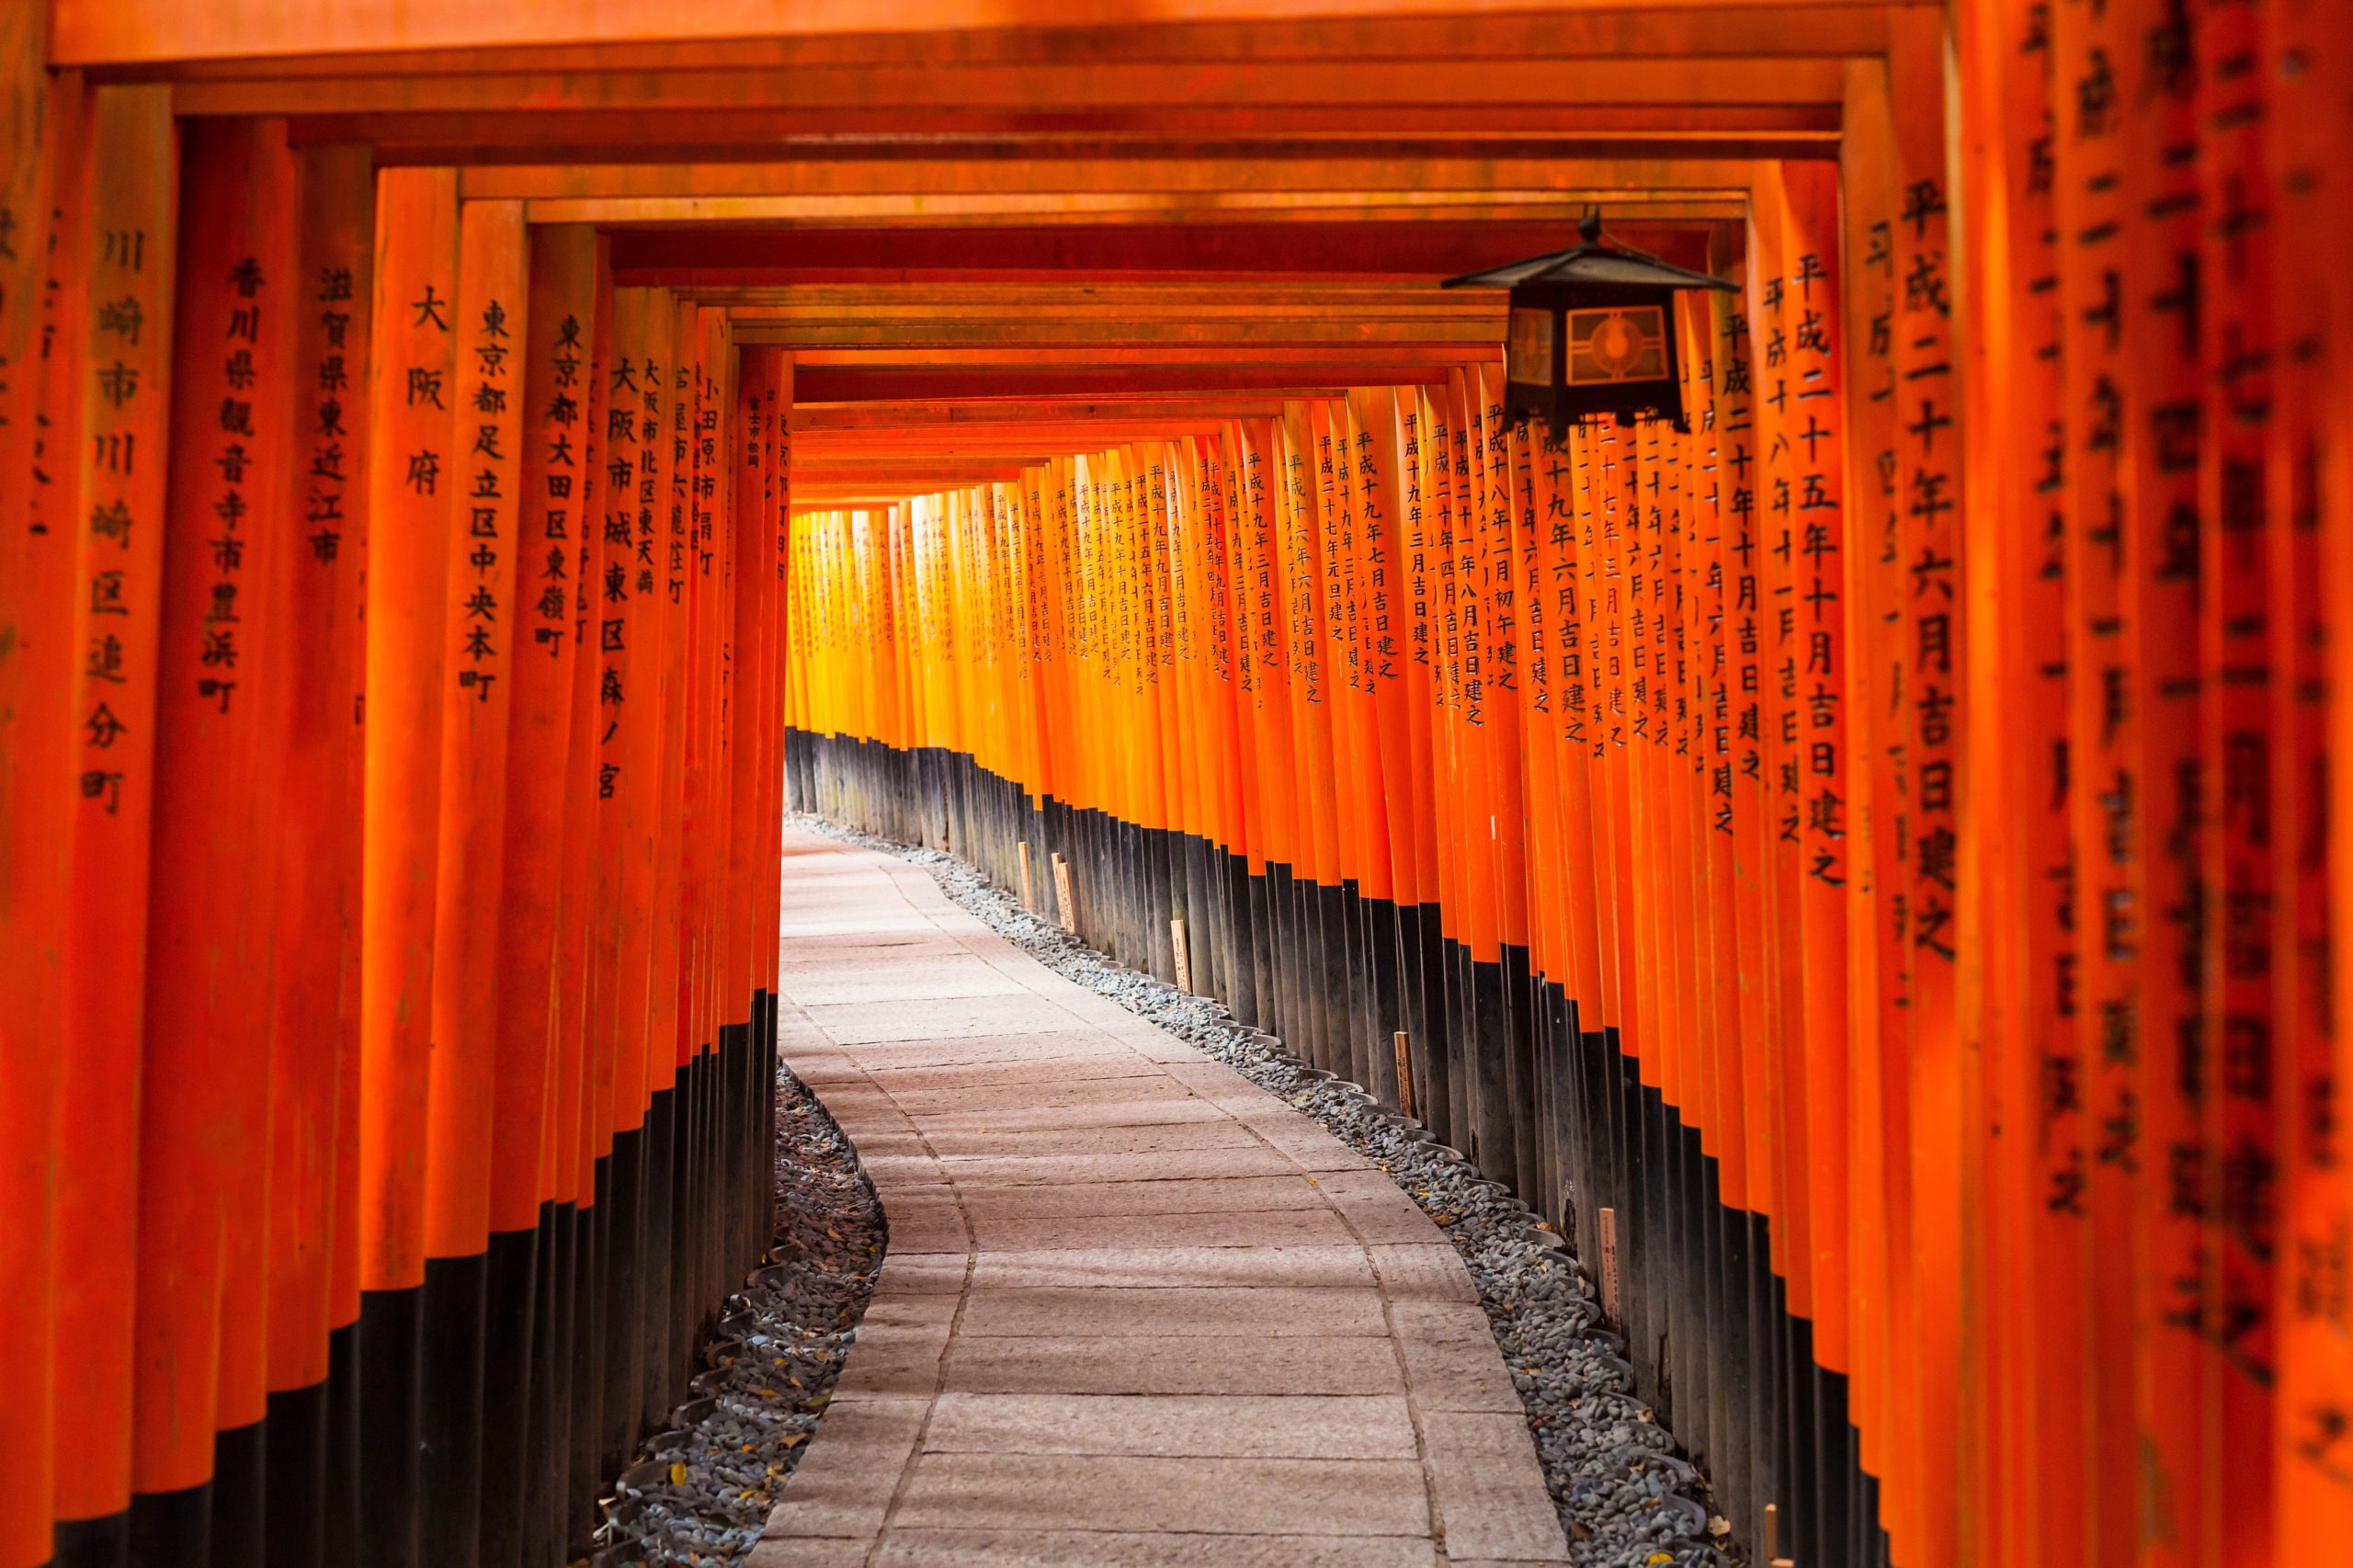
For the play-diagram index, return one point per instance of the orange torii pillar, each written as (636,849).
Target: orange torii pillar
(38,557)
(203,1151)
(37,562)
(117,402)
(480,483)
(409,432)
(314,1071)
(548,376)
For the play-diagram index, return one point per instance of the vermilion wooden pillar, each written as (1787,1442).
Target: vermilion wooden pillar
(203,1147)
(130,177)
(549,384)
(36,738)
(480,633)
(603,533)
(409,487)
(314,1051)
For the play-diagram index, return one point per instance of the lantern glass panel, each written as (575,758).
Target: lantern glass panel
(1619,342)
(1527,352)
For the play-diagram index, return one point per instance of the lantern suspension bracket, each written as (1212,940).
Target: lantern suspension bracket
(1592,330)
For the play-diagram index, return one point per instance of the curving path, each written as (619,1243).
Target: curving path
(1135,1309)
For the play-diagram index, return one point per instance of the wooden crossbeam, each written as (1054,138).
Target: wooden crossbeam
(1370,85)
(935,414)
(218,40)
(1238,181)
(1433,248)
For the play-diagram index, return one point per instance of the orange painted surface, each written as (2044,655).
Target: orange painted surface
(314,1252)
(126,173)
(413,345)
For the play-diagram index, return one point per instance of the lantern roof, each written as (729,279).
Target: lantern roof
(1594,259)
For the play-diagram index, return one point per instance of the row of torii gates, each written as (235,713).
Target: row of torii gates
(468,471)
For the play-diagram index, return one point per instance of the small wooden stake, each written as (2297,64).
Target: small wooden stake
(1062,895)
(1404,1075)
(1610,1270)
(1184,955)
(1027,902)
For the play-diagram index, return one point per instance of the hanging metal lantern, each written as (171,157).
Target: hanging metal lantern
(1592,330)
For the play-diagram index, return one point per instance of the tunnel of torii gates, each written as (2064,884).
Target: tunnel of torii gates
(1858,865)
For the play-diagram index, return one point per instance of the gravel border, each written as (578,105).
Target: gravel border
(1625,1499)
(700,1492)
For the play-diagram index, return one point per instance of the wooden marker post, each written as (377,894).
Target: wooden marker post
(1026,900)
(408,511)
(120,402)
(1183,952)
(203,1146)
(489,320)
(545,392)
(37,741)
(1069,909)
(314,1046)
(578,1351)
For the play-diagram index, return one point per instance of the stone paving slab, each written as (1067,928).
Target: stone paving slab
(1136,1311)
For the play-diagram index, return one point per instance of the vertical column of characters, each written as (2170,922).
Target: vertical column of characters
(656,1001)
(1337,654)
(204,1089)
(1816,432)
(1876,957)
(1386,626)
(714,521)
(1666,1059)
(2165,283)
(1368,458)
(1700,647)
(36,741)
(2316,1287)
(1265,563)
(1713,686)
(1042,641)
(618,752)
(1744,815)
(754,427)
(1468,683)
(1500,561)
(1461,846)
(778,553)
(1418,656)
(122,344)
(706,674)
(1607,465)
(628,699)
(313,1187)
(2068,408)
(408,512)
(489,320)
(1929,476)
(677,1017)
(1683,1010)
(665,796)
(1195,696)
(555,502)
(1164,496)
(643,619)
(1551,944)
(572,1146)
(1562,674)
(1774,319)
(2244,857)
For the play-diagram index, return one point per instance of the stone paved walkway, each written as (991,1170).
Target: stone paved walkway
(1136,1311)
